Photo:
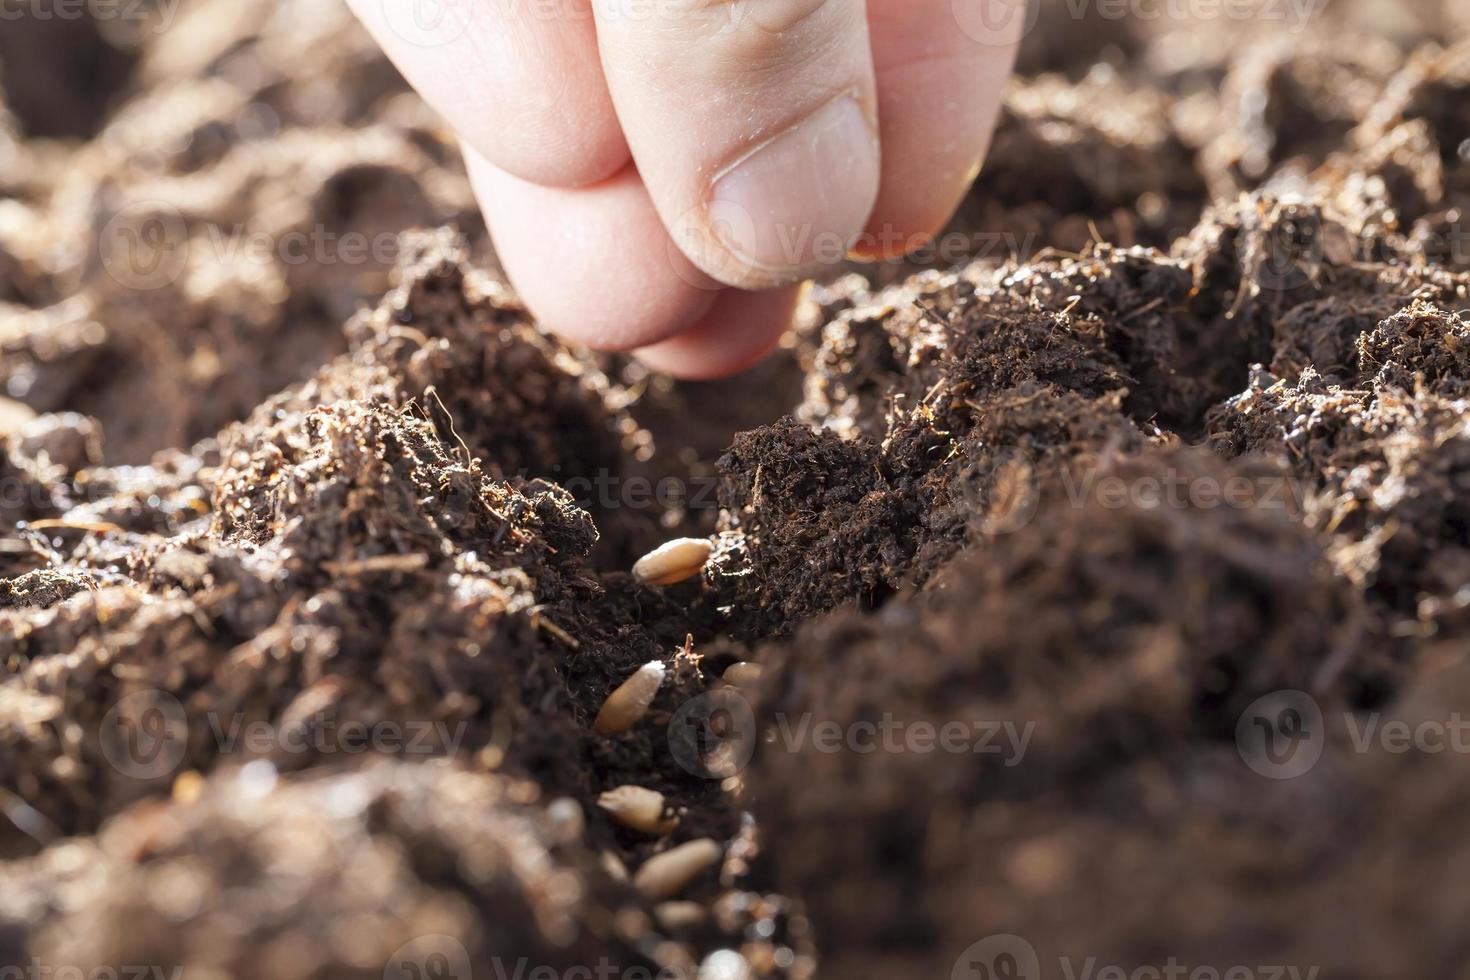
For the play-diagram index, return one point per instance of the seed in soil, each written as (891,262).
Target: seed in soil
(665,875)
(629,703)
(638,808)
(673,561)
(678,915)
(742,674)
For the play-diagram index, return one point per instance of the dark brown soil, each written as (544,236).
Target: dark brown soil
(1173,442)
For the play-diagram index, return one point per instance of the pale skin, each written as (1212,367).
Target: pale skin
(660,175)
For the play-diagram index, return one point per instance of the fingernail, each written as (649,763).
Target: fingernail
(799,200)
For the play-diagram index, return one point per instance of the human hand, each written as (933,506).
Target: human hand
(656,174)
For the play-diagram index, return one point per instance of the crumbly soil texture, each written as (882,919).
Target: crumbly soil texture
(1105,571)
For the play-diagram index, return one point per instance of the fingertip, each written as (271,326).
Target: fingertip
(519,83)
(739,331)
(594,265)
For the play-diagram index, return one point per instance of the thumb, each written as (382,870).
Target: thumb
(753,124)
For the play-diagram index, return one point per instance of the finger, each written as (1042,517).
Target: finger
(942,67)
(741,329)
(517,80)
(594,264)
(753,123)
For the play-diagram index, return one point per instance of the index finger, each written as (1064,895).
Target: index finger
(519,81)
